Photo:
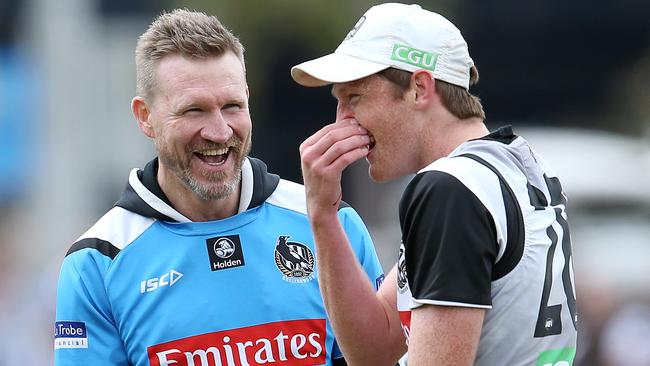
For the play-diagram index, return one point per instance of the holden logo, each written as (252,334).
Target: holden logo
(225,252)
(224,248)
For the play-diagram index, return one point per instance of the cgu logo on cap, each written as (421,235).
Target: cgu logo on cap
(415,57)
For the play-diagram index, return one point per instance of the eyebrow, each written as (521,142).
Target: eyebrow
(344,88)
(200,99)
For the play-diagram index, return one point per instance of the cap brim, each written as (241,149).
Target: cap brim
(334,68)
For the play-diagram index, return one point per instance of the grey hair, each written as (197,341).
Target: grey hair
(183,32)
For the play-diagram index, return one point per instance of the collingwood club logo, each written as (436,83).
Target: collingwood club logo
(225,252)
(401,270)
(295,260)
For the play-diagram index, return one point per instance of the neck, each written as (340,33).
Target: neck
(446,134)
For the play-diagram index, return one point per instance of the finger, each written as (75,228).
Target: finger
(326,130)
(343,147)
(320,156)
(344,160)
(328,139)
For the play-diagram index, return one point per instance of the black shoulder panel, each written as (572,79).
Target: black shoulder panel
(449,240)
(102,246)
(503,135)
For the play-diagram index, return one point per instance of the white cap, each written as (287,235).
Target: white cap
(401,36)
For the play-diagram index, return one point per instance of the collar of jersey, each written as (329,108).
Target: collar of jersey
(144,196)
(216,227)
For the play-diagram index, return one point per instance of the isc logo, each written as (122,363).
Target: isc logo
(168,279)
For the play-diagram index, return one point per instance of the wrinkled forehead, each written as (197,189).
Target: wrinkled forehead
(183,80)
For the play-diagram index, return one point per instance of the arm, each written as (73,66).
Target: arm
(366,324)
(82,303)
(444,335)
(449,247)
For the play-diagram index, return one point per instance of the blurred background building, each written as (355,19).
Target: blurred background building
(570,75)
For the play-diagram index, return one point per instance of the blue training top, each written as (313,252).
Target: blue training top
(146,286)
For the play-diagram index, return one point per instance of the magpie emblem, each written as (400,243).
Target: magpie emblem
(295,260)
(402,282)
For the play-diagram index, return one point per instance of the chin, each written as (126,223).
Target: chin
(376,175)
(384,174)
(213,189)
(214,193)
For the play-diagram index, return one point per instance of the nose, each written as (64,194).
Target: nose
(216,128)
(343,112)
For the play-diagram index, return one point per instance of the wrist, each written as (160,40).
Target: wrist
(322,216)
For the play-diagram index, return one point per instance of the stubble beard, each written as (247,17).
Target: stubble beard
(212,186)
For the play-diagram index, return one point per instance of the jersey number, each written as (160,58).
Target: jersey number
(548,320)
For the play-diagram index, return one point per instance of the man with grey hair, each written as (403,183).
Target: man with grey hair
(484,274)
(206,259)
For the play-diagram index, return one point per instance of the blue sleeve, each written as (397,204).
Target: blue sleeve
(362,245)
(84,331)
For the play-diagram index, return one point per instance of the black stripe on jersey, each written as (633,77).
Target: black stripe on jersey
(515,224)
(102,246)
(264,183)
(449,239)
(555,189)
(536,196)
(539,200)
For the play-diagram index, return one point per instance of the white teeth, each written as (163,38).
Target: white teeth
(214,152)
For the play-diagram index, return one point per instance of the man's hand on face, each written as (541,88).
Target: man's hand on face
(324,155)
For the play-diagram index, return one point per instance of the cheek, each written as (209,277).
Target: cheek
(176,138)
(242,126)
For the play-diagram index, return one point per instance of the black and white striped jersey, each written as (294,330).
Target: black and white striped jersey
(486,227)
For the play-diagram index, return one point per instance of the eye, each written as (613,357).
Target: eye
(353,98)
(234,106)
(192,110)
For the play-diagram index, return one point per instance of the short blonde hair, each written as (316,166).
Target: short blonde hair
(183,32)
(458,100)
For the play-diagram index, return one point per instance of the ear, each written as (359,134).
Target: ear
(424,86)
(142,112)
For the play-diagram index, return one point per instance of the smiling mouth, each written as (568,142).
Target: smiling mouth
(213,156)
